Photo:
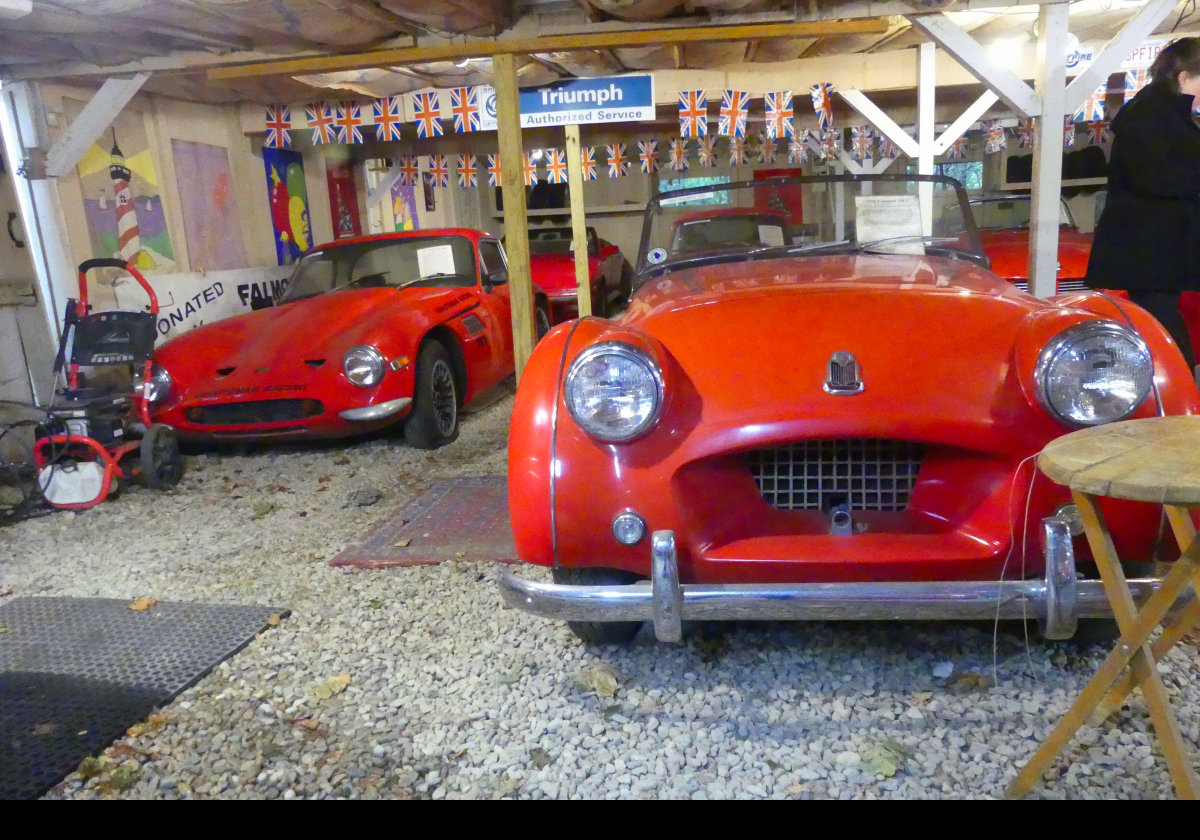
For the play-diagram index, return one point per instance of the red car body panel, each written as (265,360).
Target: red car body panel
(1008,252)
(294,351)
(743,348)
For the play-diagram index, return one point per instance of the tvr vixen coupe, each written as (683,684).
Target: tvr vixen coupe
(836,423)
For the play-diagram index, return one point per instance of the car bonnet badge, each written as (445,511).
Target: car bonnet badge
(843,377)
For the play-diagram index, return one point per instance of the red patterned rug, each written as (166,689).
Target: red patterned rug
(463,519)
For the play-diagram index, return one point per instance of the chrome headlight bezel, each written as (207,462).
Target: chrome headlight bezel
(1072,338)
(160,383)
(364,366)
(627,353)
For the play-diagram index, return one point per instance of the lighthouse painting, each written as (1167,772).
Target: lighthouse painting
(122,205)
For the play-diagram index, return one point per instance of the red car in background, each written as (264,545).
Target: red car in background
(372,331)
(552,266)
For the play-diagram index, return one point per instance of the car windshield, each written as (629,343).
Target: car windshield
(818,215)
(1011,212)
(556,240)
(394,263)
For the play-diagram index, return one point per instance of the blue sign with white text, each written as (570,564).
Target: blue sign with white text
(581,101)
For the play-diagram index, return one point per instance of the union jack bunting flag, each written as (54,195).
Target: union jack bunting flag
(1092,107)
(427,115)
(831,144)
(1068,133)
(349,122)
(679,155)
(693,113)
(958,149)
(387,118)
(1135,80)
(888,149)
(1025,134)
(464,104)
(1098,132)
(493,168)
(320,120)
(731,119)
(529,171)
(618,163)
(860,142)
(409,170)
(648,156)
(279,127)
(766,149)
(822,98)
(780,116)
(556,166)
(738,155)
(798,149)
(467,174)
(440,170)
(587,159)
(995,137)
(707,151)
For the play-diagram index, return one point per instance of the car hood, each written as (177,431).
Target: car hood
(1008,252)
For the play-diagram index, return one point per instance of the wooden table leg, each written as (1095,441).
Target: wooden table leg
(1132,650)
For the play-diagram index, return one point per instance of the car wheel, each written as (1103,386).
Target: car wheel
(541,322)
(160,460)
(434,418)
(599,632)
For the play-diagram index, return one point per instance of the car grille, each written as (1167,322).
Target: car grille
(256,411)
(867,474)
(1079,284)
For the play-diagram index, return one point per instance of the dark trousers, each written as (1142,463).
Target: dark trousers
(1165,307)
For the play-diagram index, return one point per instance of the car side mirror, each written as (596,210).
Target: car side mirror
(490,282)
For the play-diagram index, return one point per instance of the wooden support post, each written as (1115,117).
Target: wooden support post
(516,223)
(583,277)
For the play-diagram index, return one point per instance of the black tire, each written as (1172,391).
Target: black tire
(600,304)
(626,282)
(600,632)
(159,458)
(541,322)
(434,419)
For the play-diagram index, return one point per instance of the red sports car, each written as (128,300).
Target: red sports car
(840,427)
(552,264)
(403,327)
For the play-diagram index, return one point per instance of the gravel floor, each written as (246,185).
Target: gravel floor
(450,696)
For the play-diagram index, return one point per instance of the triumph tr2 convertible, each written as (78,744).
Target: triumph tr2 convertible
(372,331)
(835,423)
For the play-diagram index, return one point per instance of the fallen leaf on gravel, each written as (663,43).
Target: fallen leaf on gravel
(309,723)
(142,604)
(341,460)
(125,751)
(884,759)
(3,629)
(919,698)
(90,768)
(401,544)
(273,620)
(6,589)
(539,757)
(375,604)
(321,479)
(261,509)
(968,682)
(332,686)
(460,554)
(600,678)
(123,777)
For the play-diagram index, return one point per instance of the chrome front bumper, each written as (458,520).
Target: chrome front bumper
(376,412)
(1057,601)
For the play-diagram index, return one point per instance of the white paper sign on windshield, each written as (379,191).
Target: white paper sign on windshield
(770,235)
(896,218)
(436,259)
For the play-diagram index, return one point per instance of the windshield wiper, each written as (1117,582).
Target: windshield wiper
(792,250)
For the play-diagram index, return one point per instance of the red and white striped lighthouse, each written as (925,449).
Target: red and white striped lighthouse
(127,223)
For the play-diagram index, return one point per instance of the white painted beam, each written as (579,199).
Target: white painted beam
(384,186)
(92,121)
(1047,149)
(967,51)
(926,96)
(875,115)
(967,119)
(1109,59)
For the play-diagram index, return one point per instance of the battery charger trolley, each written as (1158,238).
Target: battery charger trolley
(94,439)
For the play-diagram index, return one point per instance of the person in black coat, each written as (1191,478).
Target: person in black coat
(1148,238)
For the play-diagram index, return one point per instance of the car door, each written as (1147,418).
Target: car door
(496,306)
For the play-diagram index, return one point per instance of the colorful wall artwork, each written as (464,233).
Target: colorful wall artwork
(210,217)
(343,199)
(121,200)
(288,198)
(404,206)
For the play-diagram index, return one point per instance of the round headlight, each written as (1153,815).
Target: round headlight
(614,391)
(160,383)
(1093,373)
(364,365)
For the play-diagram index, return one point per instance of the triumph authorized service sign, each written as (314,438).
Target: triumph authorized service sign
(579,101)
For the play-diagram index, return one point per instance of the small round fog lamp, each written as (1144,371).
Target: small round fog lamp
(628,528)
(1069,514)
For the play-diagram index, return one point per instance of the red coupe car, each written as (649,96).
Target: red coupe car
(552,264)
(840,427)
(403,327)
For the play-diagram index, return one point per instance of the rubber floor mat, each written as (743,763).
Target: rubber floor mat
(459,519)
(76,673)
